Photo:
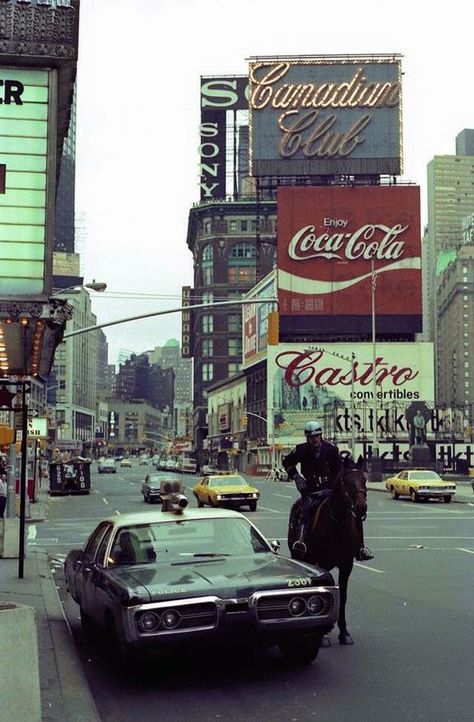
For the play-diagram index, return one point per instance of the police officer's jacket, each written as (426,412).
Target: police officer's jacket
(318,466)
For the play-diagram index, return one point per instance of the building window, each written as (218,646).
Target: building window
(234,346)
(232,226)
(233,369)
(234,323)
(207,275)
(233,295)
(207,324)
(243,250)
(207,227)
(207,372)
(207,253)
(244,226)
(239,274)
(207,296)
(207,347)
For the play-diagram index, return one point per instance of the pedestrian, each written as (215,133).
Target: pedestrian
(3,495)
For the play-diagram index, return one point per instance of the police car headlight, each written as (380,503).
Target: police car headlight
(149,622)
(219,497)
(170,619)
(254,496)
(315,605)
(297,606)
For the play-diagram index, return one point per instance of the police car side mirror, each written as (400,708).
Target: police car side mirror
(275,545)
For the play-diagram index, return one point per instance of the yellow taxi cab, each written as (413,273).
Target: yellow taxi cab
(126,462)
(420,484)
(226,490)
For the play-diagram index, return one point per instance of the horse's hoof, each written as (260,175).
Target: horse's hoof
(345,638)
(325,641)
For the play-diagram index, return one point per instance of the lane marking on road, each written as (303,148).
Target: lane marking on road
(105,500)
(419,536)
(131,483)
(276,511)
(283,496)
(96,491)
(117,511)
(32,531)
(468,551)
(368,569)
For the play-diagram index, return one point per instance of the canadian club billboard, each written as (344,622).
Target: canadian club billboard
(335,242)
(334,384)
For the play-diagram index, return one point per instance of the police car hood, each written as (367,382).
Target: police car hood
(224,577)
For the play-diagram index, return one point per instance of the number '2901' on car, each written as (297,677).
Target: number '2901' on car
(163,578)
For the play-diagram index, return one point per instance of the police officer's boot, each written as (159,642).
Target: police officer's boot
(363,553)
(299,546)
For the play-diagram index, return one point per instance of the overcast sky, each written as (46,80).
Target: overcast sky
(140,63)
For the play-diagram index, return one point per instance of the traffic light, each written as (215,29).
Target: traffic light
(244,422)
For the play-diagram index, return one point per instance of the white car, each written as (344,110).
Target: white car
(143,461)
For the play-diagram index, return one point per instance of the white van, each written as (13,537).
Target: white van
(188,466)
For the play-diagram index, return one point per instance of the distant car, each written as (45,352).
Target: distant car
(188,466)
(126,462)
(107,466)
(151,487)
(118,458)
(171,465)
(420,484)
(226,490)
(143,461)
(163,579)
(208,470)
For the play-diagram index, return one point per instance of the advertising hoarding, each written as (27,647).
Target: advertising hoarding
(218,95)
(324,116)
(328,238)
(27,155)
(305,384)
(255,322)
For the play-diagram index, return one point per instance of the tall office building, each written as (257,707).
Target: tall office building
(450,201)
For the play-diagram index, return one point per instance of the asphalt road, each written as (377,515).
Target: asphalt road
(410,612)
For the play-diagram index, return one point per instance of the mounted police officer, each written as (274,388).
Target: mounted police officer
(320,465)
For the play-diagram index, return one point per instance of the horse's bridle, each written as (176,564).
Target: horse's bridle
(340,479)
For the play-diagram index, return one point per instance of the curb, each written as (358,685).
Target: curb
(76,695)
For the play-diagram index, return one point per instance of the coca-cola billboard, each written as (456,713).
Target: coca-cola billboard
(335,242)
(337,380)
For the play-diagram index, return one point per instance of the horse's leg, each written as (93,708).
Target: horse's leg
(344,574)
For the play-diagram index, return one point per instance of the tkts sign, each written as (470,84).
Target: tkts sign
(334,242)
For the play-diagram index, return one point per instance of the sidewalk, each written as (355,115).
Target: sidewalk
(65,694)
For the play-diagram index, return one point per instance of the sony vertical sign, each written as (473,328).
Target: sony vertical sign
(218,95)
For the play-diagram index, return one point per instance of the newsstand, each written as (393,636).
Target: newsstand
(70,477)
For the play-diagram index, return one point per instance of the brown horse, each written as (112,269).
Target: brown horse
(333,537)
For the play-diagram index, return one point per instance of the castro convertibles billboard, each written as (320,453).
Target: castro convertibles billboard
(305,383)
(334,242)
(326,115)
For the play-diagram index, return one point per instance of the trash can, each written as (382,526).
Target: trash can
(71,477)
(462,466)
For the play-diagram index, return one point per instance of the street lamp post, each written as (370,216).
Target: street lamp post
(375,451)
(98,286)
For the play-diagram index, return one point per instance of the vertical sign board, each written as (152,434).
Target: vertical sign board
(25,97)
(303,384)
(218,95)
(324,116)
(255,322)
(328,239)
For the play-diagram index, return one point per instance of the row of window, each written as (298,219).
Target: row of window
(207,370)
(238,251)
(235,274)
(234,347)
(234,323)
(242,225)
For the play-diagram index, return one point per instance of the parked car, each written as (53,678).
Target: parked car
(188,466)
(226,490)
(126,463)
(165,579)
(107,466)
(420,484)
(143,461)
(151,487)
(171,465)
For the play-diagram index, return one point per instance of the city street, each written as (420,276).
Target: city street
(410,613)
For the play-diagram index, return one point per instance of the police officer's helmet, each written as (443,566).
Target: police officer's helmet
(312,428)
